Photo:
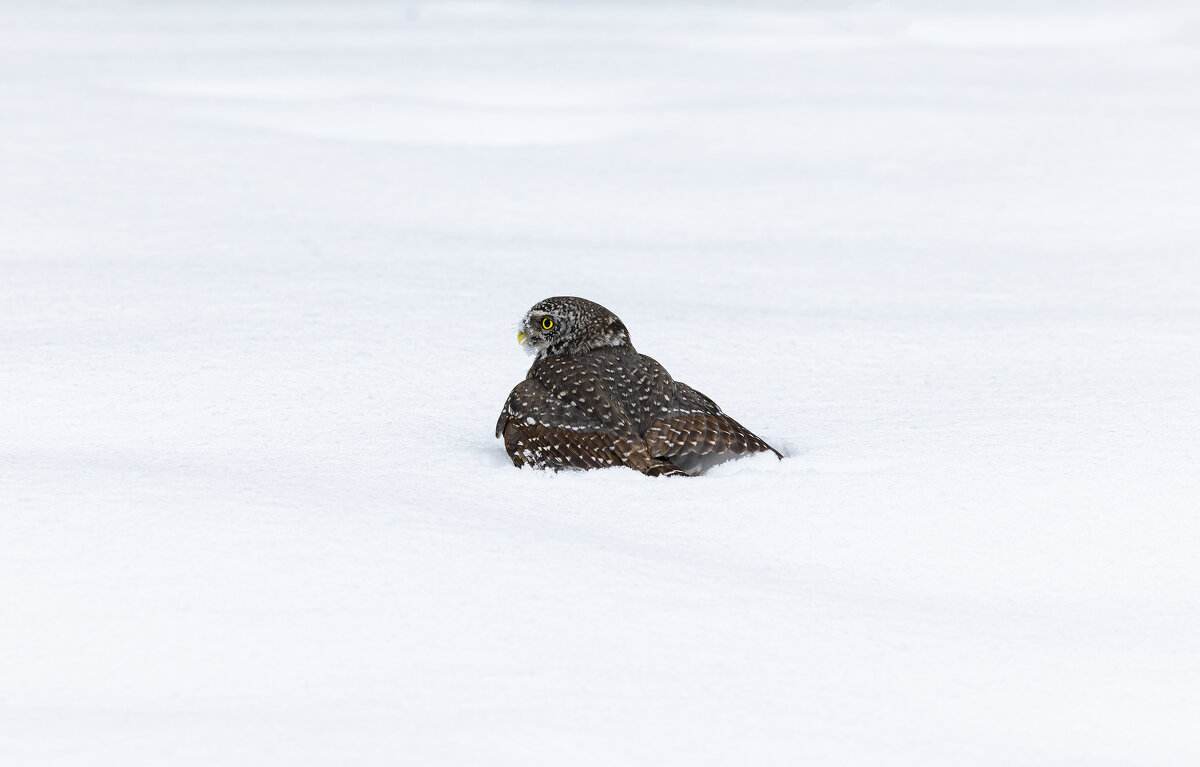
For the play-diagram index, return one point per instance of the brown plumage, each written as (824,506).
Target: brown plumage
(591,401)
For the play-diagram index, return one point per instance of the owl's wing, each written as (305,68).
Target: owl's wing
(695,426)
(531,403)
(544,430)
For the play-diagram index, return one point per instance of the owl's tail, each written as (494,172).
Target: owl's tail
(702,434)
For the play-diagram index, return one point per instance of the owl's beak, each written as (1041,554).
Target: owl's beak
(521,336)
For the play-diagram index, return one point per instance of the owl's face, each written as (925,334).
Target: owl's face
(566,325)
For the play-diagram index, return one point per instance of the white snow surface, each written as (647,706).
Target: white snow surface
(260,268)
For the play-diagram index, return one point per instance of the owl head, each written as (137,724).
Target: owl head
(570,326)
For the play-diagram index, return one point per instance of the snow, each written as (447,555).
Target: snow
(259,269)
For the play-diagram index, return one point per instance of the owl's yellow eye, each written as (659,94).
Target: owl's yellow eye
(547,323)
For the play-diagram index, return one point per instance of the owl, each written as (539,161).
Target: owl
(591,401)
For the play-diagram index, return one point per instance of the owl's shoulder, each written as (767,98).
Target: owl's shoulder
(647,364)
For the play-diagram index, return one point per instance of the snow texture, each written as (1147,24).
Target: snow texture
(260,265)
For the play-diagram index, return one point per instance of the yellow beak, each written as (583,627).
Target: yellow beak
(521,336)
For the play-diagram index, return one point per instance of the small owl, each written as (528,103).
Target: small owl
(591,401)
